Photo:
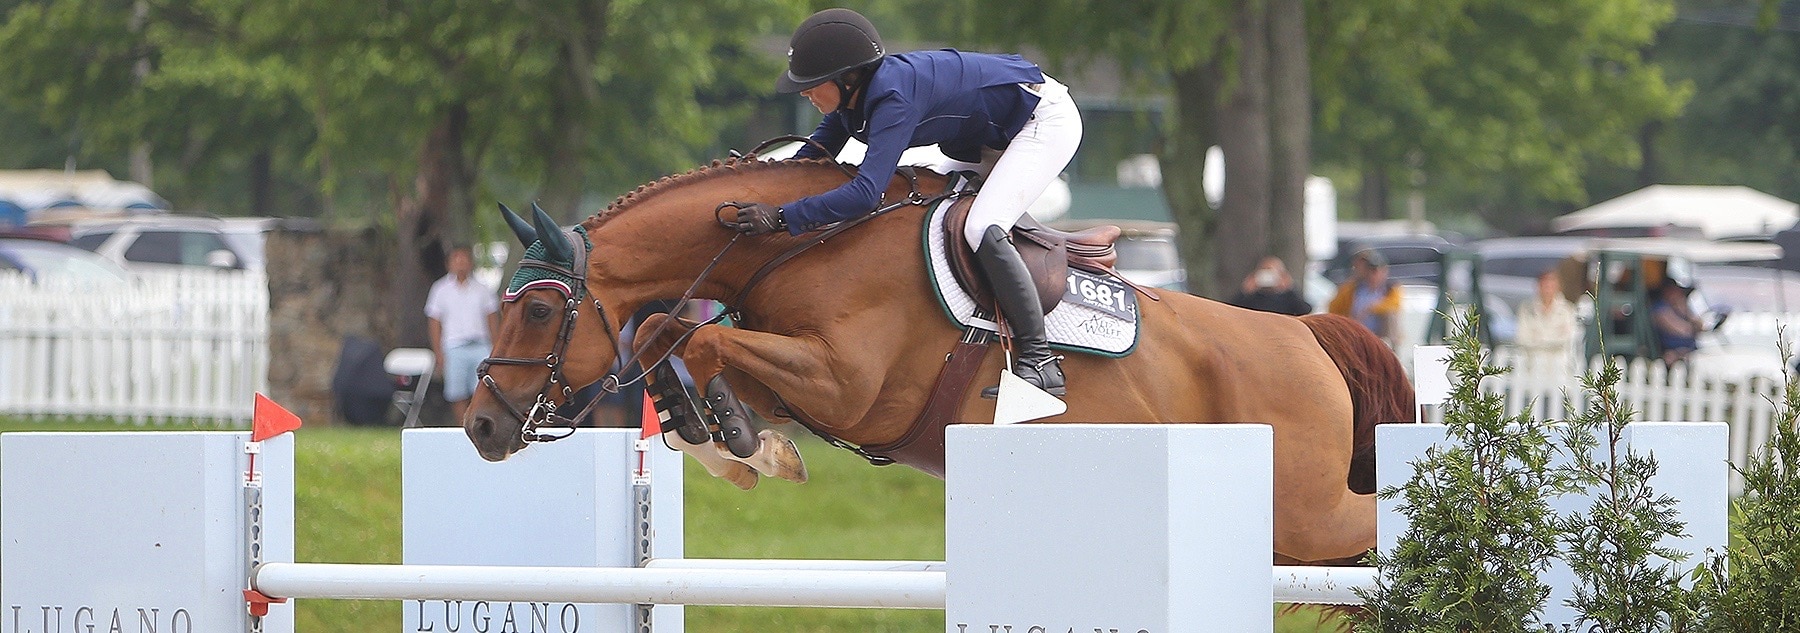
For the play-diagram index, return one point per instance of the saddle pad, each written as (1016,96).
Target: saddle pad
(1098,314)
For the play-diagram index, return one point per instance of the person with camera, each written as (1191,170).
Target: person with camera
(1270,288)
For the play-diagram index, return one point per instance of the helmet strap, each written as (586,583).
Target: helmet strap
(847,89)
(844,92)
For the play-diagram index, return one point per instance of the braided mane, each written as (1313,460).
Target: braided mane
(703,173)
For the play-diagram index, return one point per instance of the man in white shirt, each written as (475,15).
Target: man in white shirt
(463,313)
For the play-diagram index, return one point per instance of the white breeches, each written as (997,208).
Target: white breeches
(1017,176)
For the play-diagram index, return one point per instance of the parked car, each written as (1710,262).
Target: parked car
(41,258)
(1412,257)
(1510,265)
(162,242)
(246,236)
(1749,288)
(1147,252)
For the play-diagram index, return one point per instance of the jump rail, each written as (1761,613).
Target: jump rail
(852,584)
(599,585)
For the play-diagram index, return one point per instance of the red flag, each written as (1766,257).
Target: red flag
(652,423)
(271,420)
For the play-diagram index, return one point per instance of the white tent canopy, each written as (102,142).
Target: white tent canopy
(1716,211)
(49,195)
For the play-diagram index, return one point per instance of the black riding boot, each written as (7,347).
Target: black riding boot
(1017,298)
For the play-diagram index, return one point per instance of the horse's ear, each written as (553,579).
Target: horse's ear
(520,227)
(556,245)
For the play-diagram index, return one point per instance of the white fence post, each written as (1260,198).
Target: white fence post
(183,345)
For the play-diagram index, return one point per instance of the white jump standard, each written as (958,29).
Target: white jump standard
(1163,529)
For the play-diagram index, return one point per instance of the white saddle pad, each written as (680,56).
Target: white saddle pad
(1098,314)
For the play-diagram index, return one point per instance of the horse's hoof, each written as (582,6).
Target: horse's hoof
(778,458)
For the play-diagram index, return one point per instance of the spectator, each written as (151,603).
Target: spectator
(462,314)
(1270,288)
(1677,329)
(1547,330)
(1370,297)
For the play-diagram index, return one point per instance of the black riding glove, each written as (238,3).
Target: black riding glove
(759,219)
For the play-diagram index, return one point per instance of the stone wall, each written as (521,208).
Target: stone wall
(323,285)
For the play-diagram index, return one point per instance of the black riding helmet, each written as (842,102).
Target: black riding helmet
(827,45)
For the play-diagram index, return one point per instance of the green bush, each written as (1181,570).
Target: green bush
(1754,586)
(1626,583)
(1480,527)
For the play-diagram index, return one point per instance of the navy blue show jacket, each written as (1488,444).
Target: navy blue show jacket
(961,102)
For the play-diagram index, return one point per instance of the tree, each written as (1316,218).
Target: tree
(1754,585)
(83,77)
(414,107)
(1480,530)
(1627,582)
(1496,97)
(1230,67)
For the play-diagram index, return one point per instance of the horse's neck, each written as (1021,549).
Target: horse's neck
(657,248)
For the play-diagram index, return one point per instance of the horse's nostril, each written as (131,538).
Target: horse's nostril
(484,426)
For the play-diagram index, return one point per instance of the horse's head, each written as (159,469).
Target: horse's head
(545,313)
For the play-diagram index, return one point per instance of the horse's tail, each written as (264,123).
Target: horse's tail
(1379,390)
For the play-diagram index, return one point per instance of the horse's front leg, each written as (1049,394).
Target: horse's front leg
(692,439)
(746,366)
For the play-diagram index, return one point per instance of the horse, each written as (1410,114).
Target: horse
(847,338)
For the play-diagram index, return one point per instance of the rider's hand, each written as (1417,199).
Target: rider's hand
(759,218)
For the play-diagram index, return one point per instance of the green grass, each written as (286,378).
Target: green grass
(347,510)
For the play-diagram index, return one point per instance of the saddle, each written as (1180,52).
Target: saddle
(1048,254)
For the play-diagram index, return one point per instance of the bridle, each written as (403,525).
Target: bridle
(541,423)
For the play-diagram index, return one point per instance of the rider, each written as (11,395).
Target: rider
(999,112)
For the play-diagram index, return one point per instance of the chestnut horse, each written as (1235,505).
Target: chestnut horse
(849,337)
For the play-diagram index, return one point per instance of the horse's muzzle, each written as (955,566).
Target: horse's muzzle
(493,438)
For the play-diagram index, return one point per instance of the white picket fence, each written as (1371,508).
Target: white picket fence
(189,346)
(1655,392)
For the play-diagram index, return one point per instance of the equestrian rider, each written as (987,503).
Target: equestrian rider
(999,114)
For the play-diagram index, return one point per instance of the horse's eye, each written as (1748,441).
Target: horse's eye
(540,312)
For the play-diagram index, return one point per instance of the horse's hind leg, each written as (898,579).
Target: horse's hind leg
(1317,516)
(1344,528)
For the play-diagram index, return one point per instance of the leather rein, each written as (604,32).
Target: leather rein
(541,423)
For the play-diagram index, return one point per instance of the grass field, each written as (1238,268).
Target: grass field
(348,511)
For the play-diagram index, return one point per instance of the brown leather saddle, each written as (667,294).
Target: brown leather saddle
(1048,254)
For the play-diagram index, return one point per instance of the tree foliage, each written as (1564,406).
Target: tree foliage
(1520,95)
(405,111)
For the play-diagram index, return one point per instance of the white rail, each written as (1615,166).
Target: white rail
(722,587)
(795,564)
(867,584)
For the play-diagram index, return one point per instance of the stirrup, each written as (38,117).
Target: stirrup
(1037,371)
